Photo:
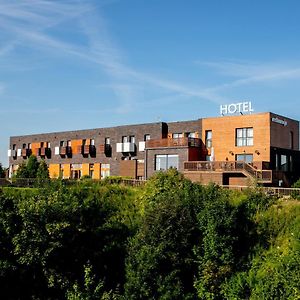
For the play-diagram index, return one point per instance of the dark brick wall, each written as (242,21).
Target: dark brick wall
(115,133)
(185,126)
(150,155)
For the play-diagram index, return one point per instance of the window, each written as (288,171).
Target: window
(208,138)
(24,146)
(14,146)
(62,143)
(177,135)
(146,137)
(42,144)
(105,170)
(191,134)
(48,145)
(166,161)
(132,139)
(244,137)
(29,145)
(107,141)
(125,139)
(247,158)
(92,142)
(283,163)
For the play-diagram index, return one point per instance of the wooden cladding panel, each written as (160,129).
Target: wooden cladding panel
(140,169)
(128,168)
(224,136)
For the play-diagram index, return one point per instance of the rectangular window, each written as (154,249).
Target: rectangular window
(132,139)
(92,142)
(107,141)
(105,170)
(62,143)
(244,137)
(177,135)
(125,139)
(247,158)
(191,135)
(29,145)
(208,138)
(14,146)
(283,163)
(69,143)
(166,161)
(24,146)
(146,137)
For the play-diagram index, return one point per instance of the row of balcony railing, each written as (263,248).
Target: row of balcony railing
(126,147)
(229,166)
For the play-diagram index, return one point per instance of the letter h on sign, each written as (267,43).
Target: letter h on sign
(223,109)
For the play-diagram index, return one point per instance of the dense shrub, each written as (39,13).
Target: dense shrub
(169,239)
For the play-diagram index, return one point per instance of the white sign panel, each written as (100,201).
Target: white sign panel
(279,121)
(236,108)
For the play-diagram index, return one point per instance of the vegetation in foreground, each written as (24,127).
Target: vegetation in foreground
(170,239)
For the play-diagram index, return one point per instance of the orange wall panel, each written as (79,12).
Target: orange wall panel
(35,148)
(75,144)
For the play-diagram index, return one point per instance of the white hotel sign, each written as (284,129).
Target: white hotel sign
(236,108)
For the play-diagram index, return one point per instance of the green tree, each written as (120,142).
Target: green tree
(160,256)
(2,171)
(32,166)
(42,174)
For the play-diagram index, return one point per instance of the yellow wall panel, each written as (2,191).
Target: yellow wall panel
(67,170)
(54,170)
(85,169)
(97,171)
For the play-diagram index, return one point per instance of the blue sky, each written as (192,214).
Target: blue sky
(84,64)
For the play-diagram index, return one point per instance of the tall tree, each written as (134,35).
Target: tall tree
(2,171)
(42,171)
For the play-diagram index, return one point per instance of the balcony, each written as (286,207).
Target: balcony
(125,147)
(44,151)
(65,151)
(174,143)
(262,176)
(105,149)
(11,153)
(25,152)
(86,149)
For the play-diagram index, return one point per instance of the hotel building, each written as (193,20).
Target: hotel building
(228,150)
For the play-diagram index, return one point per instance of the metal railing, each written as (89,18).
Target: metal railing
(276,191)
(178,142)
(229,166)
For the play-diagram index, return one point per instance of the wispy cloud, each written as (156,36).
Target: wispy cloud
(252,72)
(29,24)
